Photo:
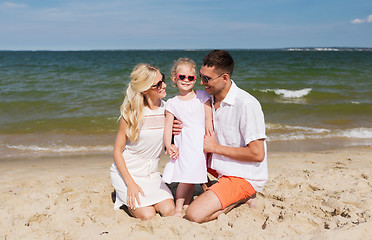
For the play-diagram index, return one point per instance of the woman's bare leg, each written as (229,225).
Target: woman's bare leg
(143,213)
(165,208)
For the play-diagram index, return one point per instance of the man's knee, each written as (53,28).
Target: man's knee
(204,208)
(193,216)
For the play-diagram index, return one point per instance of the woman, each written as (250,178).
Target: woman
(138,146)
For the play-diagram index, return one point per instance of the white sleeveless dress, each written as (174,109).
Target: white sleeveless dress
(142,160)
(190,166)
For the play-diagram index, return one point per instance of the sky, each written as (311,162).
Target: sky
(183,24)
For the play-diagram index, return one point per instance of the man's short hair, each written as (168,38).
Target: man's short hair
(221,60)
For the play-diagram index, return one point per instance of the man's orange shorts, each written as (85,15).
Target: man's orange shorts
(230,190)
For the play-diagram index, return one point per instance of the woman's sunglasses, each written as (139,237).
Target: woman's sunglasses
(183,77)
(160,83)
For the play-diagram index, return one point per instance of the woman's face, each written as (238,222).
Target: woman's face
(157,90)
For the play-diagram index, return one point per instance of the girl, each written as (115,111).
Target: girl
(187,164)
(138,145)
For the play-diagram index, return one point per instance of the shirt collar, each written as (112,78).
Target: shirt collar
(231,95)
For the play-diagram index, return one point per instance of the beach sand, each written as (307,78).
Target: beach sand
(309,195)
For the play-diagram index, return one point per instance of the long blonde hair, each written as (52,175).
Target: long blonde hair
(142,77)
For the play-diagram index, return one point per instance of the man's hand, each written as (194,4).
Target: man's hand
(177,127)
(210,142)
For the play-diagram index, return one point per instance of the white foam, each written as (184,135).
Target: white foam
(289,93)
(355,133)
(56,148)
(287,132)
(326,49)
(273,126)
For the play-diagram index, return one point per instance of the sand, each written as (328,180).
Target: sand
(309,195)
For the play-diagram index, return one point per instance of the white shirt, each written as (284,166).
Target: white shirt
(238,121)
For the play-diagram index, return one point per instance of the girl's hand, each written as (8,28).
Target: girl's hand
(172,151)
(133,195)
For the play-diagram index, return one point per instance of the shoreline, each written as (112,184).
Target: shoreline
(13,146)
(323,194)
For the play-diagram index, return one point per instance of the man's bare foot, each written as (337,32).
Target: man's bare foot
(252,201)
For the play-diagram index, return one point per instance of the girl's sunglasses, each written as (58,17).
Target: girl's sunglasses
(160,83)
(183,77)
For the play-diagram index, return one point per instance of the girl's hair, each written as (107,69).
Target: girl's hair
(181,61)
(142,78)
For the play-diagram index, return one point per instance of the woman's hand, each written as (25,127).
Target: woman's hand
(133,195)
(172,151)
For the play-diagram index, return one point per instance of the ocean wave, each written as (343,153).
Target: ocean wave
(275,132)
(57,148)
(285,93)
(274,126)
(279,132)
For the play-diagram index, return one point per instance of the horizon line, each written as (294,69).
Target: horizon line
(325,48)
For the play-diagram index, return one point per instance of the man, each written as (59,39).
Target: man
(237,145)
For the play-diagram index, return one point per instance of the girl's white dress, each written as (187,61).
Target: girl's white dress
(190,166)
(142,160)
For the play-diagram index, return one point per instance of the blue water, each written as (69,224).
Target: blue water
(304,94)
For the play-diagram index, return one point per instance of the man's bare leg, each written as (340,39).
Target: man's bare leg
(203,207)
(207,207)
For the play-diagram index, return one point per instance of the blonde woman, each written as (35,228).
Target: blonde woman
(138,146)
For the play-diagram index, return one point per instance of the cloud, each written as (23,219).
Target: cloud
(9,5)
(364,20)
(369,18)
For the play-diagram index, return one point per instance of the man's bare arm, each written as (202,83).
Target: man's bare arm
(253,152)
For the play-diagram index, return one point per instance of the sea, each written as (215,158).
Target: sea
(67,102)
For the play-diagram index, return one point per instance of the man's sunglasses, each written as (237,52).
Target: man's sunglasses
(160,83)
(206,79)
(183,77)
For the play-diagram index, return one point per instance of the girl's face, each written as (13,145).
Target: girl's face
(185,77)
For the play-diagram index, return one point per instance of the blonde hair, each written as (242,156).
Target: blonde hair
(180,61)
(142,78)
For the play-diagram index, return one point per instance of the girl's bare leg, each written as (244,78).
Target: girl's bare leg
(183,196)
(188,196)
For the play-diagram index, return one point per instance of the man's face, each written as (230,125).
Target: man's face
(214,85)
